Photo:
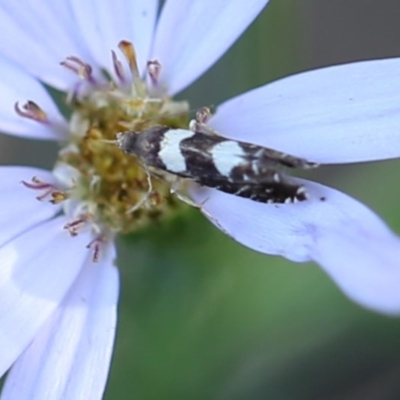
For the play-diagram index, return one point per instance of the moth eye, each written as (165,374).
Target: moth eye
(149,146)
(146,145)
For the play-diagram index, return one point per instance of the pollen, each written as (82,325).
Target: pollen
(113,189)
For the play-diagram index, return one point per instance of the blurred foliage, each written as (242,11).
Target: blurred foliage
(204,318)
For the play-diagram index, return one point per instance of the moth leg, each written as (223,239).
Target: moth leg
(203,115)
(199,124)
(175,190)
(145,197)
(202,128)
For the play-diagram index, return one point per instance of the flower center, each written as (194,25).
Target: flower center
(109,188)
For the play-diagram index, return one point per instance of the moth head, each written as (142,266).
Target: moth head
(126,141)
(141,144)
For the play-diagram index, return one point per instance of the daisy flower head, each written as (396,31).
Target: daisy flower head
(62,323)
(59,284)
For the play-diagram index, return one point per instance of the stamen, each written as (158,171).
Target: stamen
(101,183)
(37,184)
(154,69)
(58,197)
(48,190)
(32,111)
(118,68)
(82,69)
(128,51)
(96,244)
(76,225)
(74,94)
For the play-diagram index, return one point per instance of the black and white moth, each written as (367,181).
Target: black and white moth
(235,167)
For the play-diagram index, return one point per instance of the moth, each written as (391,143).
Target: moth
(235,167)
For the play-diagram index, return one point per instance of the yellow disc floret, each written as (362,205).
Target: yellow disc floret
(108,183)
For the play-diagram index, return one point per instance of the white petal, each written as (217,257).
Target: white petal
(192,35)
(340,114)
(39,38)
(20,208)
(70,357)
(37,269)
(105,24)
(365,265)
(17,86)
(346,238)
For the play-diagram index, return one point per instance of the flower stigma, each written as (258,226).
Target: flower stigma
(100,185)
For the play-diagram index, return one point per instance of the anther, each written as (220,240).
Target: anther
(96,244)
(118,68)
(82,69)
(32,111)
(48,190)
(76,225)
(37,184)
(58,197)
(154,69)
(129,53)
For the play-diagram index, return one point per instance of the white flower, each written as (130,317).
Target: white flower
(58,307)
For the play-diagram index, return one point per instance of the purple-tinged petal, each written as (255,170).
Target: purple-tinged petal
(20,209)
(341,114)
(39,38)
(105,24)
(365,265)
(16,86)
(347,239)
(192,35)
(71,354)
(37,270)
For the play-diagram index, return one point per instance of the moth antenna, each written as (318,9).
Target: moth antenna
(114,141)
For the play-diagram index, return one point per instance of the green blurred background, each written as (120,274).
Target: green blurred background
(200,316)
